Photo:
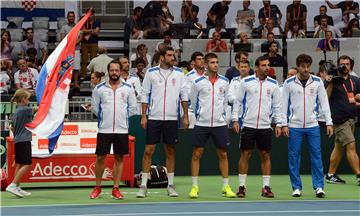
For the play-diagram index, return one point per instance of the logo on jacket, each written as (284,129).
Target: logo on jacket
(221,90)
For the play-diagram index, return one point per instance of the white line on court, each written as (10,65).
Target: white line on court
(176,202)
(219,213)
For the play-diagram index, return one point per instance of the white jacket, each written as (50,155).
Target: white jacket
(162,93)
(259,100)
(134,81)
(190,78)
(210,101)
(113,108)
(302,106)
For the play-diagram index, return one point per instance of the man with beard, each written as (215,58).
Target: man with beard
(117,99)
(162,87)
(257,97)
(132,80)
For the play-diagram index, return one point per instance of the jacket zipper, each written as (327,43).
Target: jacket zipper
(257,122)
(304,107)
(165,99)
(114,111)
(212,105)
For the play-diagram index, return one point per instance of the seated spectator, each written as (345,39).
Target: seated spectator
(322,11)
(269,27)
(151,15)
(25,77)
(166,18)
(269,11)
(89,43)
(270,38)
(295,31)
(323,27)
(30,42)
(349,10)
(168,41)
(6,49)
(245,18)
(296,12)
(139,70)
(32,59)
(244,44)
(218,28)
(217,12)
(141,52)
(134,26)
(235,70)
(353,27)
(328,43)
(275,59)
(216,44)
(189,13)
(4,78)
(100,63)
(95,78)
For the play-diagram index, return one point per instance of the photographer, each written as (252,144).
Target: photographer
(343,92)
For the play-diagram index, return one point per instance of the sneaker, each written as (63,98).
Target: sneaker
(242,191)
(95,193)
(116,193)
(24,193)
(266,192)
(142,193)
(227,192)
(14,190)
(296,193)
(334,179)
(171,191)
(194,193)
(358,179)
(319,192)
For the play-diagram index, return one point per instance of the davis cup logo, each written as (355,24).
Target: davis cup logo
(28,5)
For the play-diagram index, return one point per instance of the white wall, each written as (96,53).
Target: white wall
(312,7)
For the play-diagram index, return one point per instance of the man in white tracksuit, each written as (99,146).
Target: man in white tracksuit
(117,99)
(209,98)
(162,88)
(133,80)
(259,100)
(304,99)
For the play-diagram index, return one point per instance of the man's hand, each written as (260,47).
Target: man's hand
(277,131)
(285,131)
(329,130)
(236,127)
(144,122)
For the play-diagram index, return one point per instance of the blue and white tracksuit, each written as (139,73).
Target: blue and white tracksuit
(161,90)
(302,106)
(118,104)
(259,100)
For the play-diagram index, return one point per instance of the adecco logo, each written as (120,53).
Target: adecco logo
(87,142)
(44,144)
(70,130)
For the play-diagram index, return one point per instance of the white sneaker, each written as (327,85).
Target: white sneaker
(142,192)
(319,192)
(24,193)
(14,190)
(296,193)
(171,191)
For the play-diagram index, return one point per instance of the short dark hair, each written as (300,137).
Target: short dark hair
(270,33)
(114,62)
(31,51)
(137,10)
(27,29)
(245,62)
(140,61)
(260,59)
(271,43)
(90,9)
(343,57)
(303,58)
(70,12)
(140,46)
(323,6)
(163,51)
(196,54)
(209,56)
(167,33)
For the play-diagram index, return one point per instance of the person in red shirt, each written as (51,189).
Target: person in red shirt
(216,44)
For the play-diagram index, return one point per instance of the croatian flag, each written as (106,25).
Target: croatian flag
(53,87)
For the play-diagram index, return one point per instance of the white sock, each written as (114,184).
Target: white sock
(330,174)
(144,178)
(170,178)
(225,181)
(266,180)
(194,180)
(13,185)
(242,179)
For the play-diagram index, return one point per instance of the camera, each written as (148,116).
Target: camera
(334,71)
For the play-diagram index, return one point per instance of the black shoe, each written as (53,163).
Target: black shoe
(242,191)
(266,192)
(334,179)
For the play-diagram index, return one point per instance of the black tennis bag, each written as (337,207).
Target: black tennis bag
(157,179)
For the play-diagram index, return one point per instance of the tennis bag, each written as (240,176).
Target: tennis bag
(157,179)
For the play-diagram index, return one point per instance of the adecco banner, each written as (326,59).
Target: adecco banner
(76,138)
